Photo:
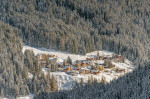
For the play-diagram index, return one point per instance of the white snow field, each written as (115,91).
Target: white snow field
(64,55)
(67,82)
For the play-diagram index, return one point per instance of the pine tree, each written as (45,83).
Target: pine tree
(97,53)
(92,44)
(2,94)
(75,47)
(81,81)
(123,59)
(62,43)
(64,63)
(103,80)
(90,80)
(48,80)
(69,60)
(54,83)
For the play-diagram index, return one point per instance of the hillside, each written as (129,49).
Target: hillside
(15,67)
(78,29)
(82,26)
(12,70)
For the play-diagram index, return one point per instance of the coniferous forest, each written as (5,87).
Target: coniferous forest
(78,27)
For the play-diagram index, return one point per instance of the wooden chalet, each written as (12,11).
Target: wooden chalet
(60,69)
(100,67)
(118,57)
(85,64)
(67,64)
(42,57)
(88,71)
(99,58)
(79,65)
(77,68)
(120,70)
(51,56)
(96,72)
(90,59)
(67,69)
(84,71)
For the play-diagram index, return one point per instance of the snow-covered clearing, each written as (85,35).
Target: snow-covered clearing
(64,55)
(66,81)
(61,55)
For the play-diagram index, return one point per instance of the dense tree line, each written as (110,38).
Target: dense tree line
(82,26)
(31,62)
(12,75)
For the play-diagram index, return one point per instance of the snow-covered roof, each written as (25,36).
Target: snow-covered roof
(95,71)
(67,67)
(76,67)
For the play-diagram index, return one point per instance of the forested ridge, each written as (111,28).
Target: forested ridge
(75,26)
(81,26)
(15,66)
(12,77)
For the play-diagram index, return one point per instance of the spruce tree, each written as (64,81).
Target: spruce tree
(69,60)
(54,83)
(2,94)
(97,53)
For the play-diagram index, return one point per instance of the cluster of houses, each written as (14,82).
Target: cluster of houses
(91,65)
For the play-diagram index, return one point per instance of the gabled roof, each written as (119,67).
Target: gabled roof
(67,67)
